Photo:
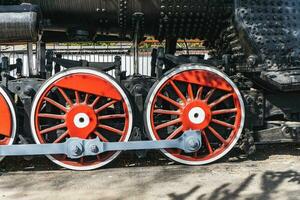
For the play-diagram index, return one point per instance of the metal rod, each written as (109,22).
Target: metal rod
(31,68)
(136,51)
(190,141)
(138,16)
(32,149)
(41,57)
(140,145)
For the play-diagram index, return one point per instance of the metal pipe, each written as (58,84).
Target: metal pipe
(136,54)
(31,66)
(41,58)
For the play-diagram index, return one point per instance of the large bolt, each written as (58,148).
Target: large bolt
(286,131)
(252,60)
(194,144)
(192,141)
(94,149)
(76,150)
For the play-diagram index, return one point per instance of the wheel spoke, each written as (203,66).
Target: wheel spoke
(190,92)
(207,143)
(63,136)
(53,128)
(98,157)
(99,135)
(105,106)
(109,128)
(68,100)
(87,96)
(224,111)
(178,151)
(175,103)
(223,123)
(175,133)
(218,101)
(170,123)
(51,116)
(178,92)
(58,105)
(113,116)
(195,155)
(209,95)
(199,93)
(95,102)
(166,112)
(77,97)
(82,160)
(215,133)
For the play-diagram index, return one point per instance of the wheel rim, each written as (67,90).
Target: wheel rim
(7,119)
(196,98)
(71,105)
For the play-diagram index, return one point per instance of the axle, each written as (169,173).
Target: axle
(75,148)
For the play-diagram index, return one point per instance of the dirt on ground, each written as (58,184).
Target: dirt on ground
(273,172)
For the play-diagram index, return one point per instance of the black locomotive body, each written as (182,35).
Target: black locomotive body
(246,93)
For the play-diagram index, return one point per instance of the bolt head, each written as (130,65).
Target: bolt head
(76,150)
(252,60)
(94,149)
(192,144)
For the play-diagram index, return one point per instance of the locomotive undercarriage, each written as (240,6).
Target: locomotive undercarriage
(194,110)
(269,119)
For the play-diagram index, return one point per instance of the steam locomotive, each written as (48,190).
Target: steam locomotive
(246,93)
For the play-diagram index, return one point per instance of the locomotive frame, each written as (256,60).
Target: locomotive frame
(245,94)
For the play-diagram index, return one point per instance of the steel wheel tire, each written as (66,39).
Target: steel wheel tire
(190,113)
(96,88)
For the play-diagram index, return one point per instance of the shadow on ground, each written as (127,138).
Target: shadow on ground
(270,181)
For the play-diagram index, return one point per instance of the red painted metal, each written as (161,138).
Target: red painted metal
(206,79)
(86,83)
(197,89)
(6,122)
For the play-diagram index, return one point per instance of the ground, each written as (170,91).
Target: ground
(272,173)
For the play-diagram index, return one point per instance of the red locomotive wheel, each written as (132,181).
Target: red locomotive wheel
(82,103)
(200,98)
(7,119)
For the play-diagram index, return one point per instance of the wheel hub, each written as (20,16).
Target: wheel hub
(81,121)
(196,115)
